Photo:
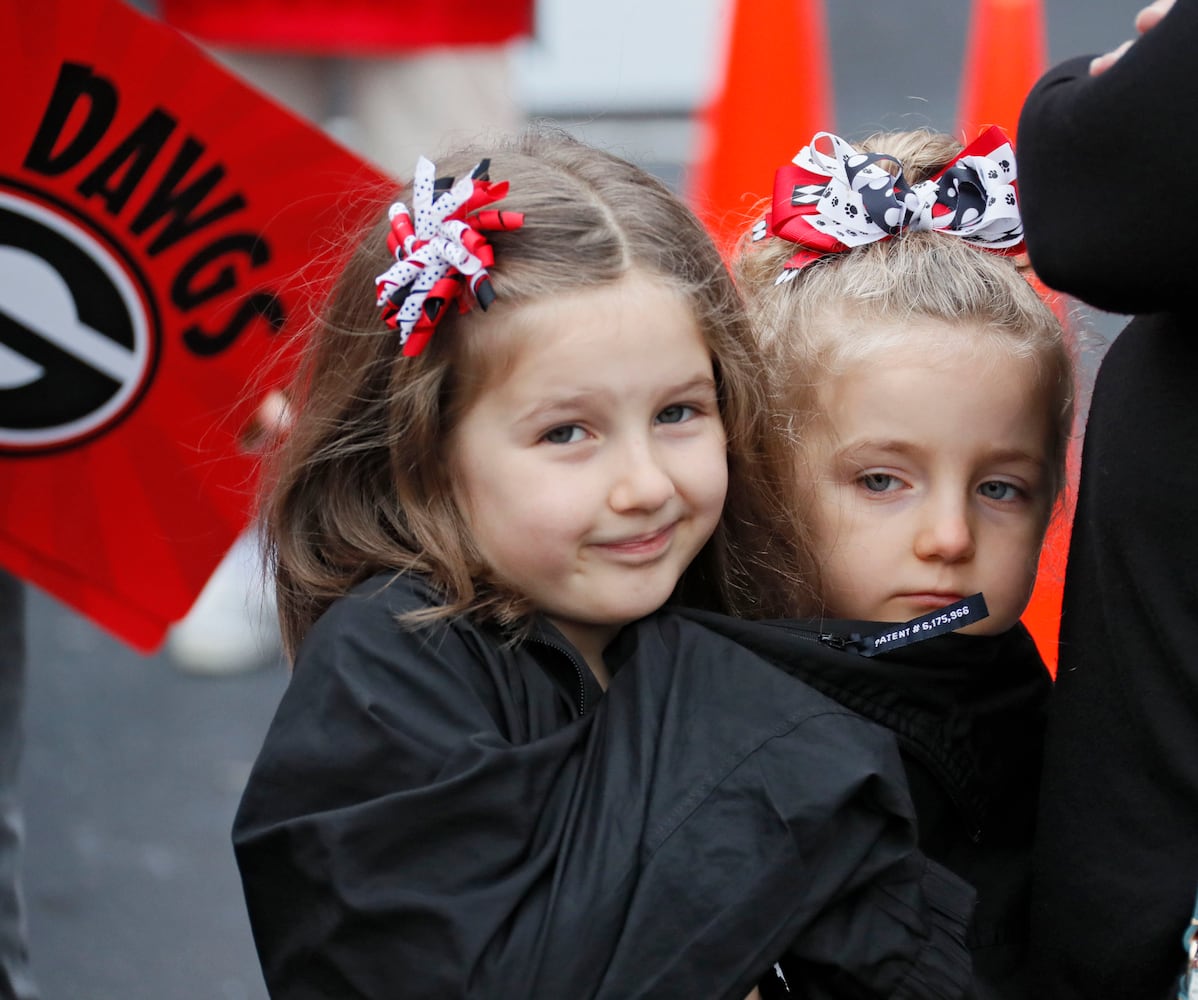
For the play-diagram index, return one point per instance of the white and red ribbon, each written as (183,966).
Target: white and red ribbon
(439,248)
(831,202)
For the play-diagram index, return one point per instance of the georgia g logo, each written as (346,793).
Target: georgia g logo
(78,344)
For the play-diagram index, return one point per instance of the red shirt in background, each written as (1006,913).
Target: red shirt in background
(349,26)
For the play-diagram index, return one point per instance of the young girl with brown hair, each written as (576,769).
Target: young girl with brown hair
(928,394)
(499,770)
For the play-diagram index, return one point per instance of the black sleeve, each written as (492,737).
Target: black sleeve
(851,953)
(394,839)
(1105,167)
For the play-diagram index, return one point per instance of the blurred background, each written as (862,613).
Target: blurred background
(133,768)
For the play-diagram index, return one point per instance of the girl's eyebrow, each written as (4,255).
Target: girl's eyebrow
(900,447)
(1016,455)
(891,445)
(702,383)
(561,402)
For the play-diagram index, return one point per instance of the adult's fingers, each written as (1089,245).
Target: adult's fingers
(1152,15)
(1101,64)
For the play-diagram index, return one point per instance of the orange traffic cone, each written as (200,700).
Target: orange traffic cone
(775,57)
(1006,53)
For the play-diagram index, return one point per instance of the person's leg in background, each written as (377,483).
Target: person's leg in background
(420,103)
(16,978)
(300,82)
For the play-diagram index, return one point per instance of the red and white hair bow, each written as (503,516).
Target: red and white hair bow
(440,251)
(829,203)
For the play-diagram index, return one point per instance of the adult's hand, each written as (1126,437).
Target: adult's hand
(1148,18)
(1152,15)
(269,424)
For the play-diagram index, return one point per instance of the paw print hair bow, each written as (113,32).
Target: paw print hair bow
(440,250)
(828,204)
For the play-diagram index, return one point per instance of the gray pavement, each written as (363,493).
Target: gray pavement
(133,769)
(131,776)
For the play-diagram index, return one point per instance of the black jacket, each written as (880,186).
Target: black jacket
(1109,212)
(437,814)
(968,712)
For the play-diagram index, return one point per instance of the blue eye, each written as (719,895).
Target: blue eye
(675,414)
(565,434)
(997,490)
(879,482)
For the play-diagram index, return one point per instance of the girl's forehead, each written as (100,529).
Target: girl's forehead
(637,299)
(851,344)
(642,326)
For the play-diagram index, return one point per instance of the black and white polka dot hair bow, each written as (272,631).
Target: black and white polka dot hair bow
(441,251)
(828,202)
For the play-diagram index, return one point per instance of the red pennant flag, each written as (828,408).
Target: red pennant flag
(163,229)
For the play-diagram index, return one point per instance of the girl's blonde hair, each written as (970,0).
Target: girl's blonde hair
(362,483)
(852,307)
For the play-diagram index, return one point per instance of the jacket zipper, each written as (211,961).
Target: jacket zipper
(582,689)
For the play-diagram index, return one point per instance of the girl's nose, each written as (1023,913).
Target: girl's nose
(945,532)
(641,481)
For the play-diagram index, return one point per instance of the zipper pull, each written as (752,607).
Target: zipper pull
(840,642)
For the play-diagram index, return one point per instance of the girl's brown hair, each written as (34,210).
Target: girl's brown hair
(362,485)
(844,309)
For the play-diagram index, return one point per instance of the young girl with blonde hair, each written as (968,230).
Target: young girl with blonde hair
(927,392)
(499,770)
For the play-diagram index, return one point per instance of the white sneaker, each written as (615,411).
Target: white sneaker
(232,627)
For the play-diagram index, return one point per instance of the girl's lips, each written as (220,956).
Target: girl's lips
(642,546)
(930,600)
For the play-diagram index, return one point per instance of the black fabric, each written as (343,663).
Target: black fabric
(1108,220)
(969,715)
(431,816)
